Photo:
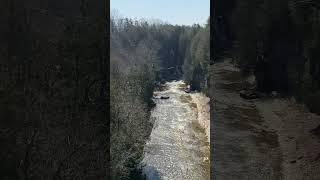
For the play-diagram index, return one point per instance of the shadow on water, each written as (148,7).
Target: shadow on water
(151,173)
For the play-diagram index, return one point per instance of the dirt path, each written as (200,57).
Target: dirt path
(259,139)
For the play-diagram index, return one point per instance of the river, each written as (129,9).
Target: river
(178,147)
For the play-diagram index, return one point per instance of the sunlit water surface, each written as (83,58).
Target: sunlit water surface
(178,147)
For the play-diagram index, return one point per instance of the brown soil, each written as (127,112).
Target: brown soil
(261,138)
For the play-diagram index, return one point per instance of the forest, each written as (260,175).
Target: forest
(276,40)
(53,90)
(144,54)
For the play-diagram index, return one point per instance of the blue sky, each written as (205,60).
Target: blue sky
(186,12)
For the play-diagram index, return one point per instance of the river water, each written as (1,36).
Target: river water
(178,147)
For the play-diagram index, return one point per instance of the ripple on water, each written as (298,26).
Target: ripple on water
(178,148)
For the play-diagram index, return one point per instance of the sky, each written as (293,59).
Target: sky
(181,12)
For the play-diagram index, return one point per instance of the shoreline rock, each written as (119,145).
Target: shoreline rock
(203,107)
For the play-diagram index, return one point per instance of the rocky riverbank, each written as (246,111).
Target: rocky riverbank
(203,109)
(260,138)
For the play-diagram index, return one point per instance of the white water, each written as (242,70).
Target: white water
(178,148)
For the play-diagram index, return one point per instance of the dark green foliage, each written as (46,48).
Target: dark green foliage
(197,78)
(53,94)
(278,40)
(197,57)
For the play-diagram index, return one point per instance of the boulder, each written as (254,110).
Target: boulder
(261,94)
(274,94)
(246,94)
(316,131)
(164,97)
(251,80)
(188,89)
(157,83)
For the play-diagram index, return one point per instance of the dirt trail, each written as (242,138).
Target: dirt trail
(259,139)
